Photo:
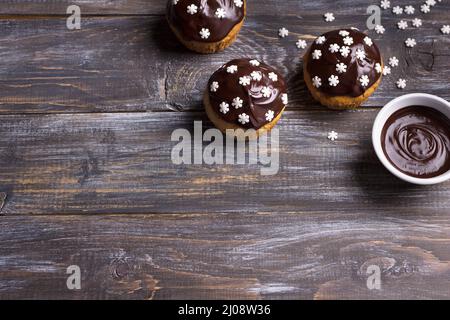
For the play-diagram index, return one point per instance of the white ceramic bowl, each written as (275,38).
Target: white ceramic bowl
(413,99)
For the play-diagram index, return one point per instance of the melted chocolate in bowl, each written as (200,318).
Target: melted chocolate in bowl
(416,140)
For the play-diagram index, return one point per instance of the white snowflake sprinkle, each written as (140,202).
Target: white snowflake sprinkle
(266,92)
(397,10)
(224,107)
(283,32)
(317,82)
(334,48)
(409,10)
(333,135)
(244,118)
(368,41)
(221,13)
(192,9)
(425,8)
(344,33)
(360,54)
(175,2)
(410,42)
(445,29)
(232,69)
(345,51)
(238,3)
(301,44)
(378,67)
(417,22)
(256,75)
(254,63)
(284,98)
(348,41)
(401,83)
(431,3)
(273,76)
(329,17)
(316,54)
(321,40)
(341,67)
(244,81)
(333,81)
(204,33)
(237,103)
(364,80)
(269,115)
(385,4)
(386,70)
(393,62)
(379,29)
(214,86)
(402,24)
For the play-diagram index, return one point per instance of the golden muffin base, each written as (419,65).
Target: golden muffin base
(222,125)
(211,47)
(337,102)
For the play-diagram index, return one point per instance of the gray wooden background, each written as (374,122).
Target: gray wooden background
(86,178)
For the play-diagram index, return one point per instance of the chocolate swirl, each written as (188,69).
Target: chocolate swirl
(206,16)
(261,97)
(416,140)
(356,51)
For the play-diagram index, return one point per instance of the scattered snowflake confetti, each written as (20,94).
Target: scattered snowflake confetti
(224,107)
(360,54)
(204,33)
(269,115)
(333,81)
(393,61)
(317,82)
(410,42)
(386,70)
(368,41)
(425,8)
(238,3)
(192,9)
(320,40)
(255,63)
(417,22)
(244,81)
(237,103)
(397,10)
(329,17)
(266,92)
(256,75)
(221,13)
(378,68)
(283,32)
(232,69)
(301,44)
(244,118)
(445,29)
(348,41)
(402,24)
(345,51)
(344,33)
(273,76)
(333,135)
(385,4)
(214,86)
(341,67)
(379,29)
(334,48)
(364,80)
(431,3)
(409,10)
(316,54)
(284,98)
(401,83)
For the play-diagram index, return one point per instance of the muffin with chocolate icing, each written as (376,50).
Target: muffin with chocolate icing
(342,68)
(245,94)
(206,26)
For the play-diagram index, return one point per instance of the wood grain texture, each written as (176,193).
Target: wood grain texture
(122,163)
(249,256)
(129,64)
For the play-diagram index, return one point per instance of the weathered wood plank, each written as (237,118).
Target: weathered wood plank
(135,64)
(269,256)
(94,163)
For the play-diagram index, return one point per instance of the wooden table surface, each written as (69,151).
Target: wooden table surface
(86,177)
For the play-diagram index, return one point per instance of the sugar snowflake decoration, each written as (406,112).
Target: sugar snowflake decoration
(254,63)
(341,67)
(317,82)
(244,118)
(401,83)
(385,4)
(425,8)
(368,41)
(379,29)
(344,33)
(364,80)
(360,54)
(431,3)
(348,41)
(329,17)
(410,42)
(386,70)
(214,86)
(417,22)
(284,98)
(224,107)
(237,103)
(333,135)
(283,32)
(301,44)
(402,24)
(238,3)
(345,51)
(445,29)
(320,40)
(397,10)
(269,115)
(244,81)
(273,76)
(204,33)
(316,54)
(393,61)
(378,67)
(266,92)
(409,10)
(192,9)
(221,13)
(256,75)
(333,81)
(334,48)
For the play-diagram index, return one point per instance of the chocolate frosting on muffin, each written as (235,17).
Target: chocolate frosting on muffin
(247,93)
(205,20)
(344,63)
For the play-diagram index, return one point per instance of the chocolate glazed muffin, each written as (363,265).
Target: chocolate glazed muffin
(245,94)
(206,26)
(342,68)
